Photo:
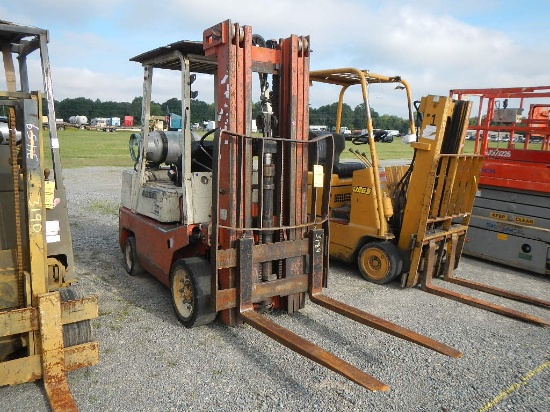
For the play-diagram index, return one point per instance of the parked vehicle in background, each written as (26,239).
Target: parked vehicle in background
(317,128)
(78,121)
(128,121)
(113,121)
(59,123)
(98,122)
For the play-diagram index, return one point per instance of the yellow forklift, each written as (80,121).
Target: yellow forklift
(406,221)
(45,328)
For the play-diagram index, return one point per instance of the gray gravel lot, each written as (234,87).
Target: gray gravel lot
(149,362)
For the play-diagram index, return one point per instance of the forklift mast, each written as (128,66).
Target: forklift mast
(280,212)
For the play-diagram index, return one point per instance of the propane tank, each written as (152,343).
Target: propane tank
(386,200)
(163,147)
(387,204)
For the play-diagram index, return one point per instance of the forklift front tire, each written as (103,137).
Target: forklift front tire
(379,262)
(190,281)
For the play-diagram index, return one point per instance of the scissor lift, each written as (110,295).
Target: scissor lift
(511,217)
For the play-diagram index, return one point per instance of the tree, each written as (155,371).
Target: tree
(172,105)
(326,115)
(390,122)
(135,108)
(360,116)
(75,107)
(202,111)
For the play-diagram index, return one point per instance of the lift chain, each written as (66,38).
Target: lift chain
(15,169)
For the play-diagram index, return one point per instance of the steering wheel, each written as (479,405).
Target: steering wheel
(135,146)
(201,143)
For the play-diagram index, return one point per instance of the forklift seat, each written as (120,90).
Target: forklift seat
(346,169)
(317,154)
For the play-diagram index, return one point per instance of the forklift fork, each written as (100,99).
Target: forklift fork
(305,347)
(449,276)
(311,351)
(305,263)
(427,285)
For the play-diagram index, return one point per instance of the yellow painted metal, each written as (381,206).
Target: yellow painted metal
(345,77)
(79,310)
(374,262)
(367,207)
(29,368)
(17,321)
(441,190)
(358,193)
(32,317)
(35,206)
(53,360)
(24,320)
(436,111)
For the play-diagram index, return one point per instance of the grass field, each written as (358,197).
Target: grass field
(81,148)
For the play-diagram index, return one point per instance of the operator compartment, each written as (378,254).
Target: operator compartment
(171,181)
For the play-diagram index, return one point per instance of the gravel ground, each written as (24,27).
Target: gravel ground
(149,362)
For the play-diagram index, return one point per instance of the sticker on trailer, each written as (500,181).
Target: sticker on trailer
(500,216)
(524,220)
(498,153)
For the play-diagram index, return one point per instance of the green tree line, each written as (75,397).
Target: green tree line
(354,119)
(81,106)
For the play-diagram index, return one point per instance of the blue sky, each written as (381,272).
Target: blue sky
(434,45)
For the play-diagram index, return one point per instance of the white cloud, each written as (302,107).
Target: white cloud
(429,43)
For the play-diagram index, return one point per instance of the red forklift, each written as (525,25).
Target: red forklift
(223,219)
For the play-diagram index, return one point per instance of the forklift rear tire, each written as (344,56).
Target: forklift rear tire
(380,262)
(131,263)
(190,281)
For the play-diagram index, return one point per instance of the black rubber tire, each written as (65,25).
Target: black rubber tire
(190,281)
(75,333)
(380,262)
(131,262)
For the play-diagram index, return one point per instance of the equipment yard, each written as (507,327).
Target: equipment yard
(207,240)
(150,362)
